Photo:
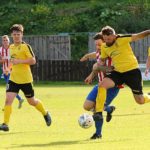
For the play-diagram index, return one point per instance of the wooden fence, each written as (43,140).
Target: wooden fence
(61,70)
(54,57)
(53,47)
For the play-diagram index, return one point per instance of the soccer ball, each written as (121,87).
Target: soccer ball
(85,120)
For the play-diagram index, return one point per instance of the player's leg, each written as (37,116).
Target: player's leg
(133,79)
(11,92)
(29,94)
(108,82)
(111,94)
(101,97)
(89,105)
(20,99)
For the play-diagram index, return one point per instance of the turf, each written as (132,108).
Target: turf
(128,130)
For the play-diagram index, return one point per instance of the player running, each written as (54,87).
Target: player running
(21,78)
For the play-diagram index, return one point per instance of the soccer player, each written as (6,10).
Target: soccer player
(147,63)
(90,101)
(126,69)
(21,78)
(6,66)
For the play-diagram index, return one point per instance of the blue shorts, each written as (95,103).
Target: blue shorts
(111,94)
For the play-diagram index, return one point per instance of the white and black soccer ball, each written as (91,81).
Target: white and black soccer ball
(85,120)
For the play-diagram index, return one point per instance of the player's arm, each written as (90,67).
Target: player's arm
(147,66)
(2,60)
(29,61)
(102,67)
(140,35)
(88,56)
(30,57)
(97,67)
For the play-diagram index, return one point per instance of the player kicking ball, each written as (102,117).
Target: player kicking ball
(90,101)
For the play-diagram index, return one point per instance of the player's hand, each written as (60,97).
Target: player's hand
(109,69)
(106,69)
(15,61)
(89,79)
(84,58)
(146,72)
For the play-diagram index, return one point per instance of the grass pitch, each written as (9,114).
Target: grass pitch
(128,130)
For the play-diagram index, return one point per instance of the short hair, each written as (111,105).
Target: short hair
(17,27)
(107,30)
(98,36)
(5,37)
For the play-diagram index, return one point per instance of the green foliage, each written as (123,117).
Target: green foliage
(79,45)
(65,16)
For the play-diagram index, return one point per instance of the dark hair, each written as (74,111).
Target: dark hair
(107,30)
(98,36)
(17,27)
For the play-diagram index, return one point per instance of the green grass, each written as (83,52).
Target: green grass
(128,130)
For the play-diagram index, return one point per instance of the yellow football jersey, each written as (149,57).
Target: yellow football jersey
(121,53)
(149,51)
(21,73)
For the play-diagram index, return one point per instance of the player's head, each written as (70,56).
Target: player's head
(17,32)
(109,35)
(98,38)
(5,40)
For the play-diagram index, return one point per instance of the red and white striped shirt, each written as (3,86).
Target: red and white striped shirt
(108,63)
(4,53)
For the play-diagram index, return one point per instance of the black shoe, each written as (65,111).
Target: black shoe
(97,116)
(109,114)
(47,118)
(95,136)
(4,127)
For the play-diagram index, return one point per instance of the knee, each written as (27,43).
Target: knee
(32,102)
(140,101)
(86,107)
(7,102)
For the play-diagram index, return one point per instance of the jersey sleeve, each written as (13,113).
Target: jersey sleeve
(125,39)
(29,52)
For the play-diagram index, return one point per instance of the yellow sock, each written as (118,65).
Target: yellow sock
(41,108)
(146,98)
(100,99)
(7,113)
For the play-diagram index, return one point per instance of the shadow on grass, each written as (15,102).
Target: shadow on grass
(63,143)
(57,143)
(3,133)
(136,114)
